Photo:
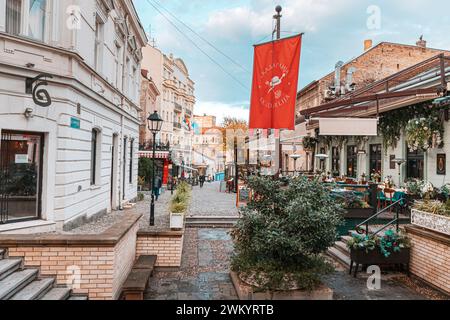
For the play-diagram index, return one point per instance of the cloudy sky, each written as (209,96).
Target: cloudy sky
(334,30)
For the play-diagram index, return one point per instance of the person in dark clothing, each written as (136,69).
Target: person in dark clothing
(202,181)
(158,185)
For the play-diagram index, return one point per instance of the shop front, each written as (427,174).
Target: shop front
(20,176)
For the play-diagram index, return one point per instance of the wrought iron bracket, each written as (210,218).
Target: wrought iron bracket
(41,97)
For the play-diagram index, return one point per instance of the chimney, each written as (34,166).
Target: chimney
(337,77)
(367,44)
(421,43)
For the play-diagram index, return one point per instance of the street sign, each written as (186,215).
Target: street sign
(75,123)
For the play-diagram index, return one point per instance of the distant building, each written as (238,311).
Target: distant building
(208,145)
(175,104)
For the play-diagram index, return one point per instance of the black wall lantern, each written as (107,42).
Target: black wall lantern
(41,96)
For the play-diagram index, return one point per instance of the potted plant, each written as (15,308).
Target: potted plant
(355,206)
(280,238)
(376,176)
(391,248)
(179,205)
(432,215)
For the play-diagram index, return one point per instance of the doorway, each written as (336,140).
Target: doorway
(21,156)
(114,161)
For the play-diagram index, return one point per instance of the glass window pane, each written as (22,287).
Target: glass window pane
(13,16)
(36,24)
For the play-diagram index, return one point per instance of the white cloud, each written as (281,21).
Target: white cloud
(221,110)
(254,20)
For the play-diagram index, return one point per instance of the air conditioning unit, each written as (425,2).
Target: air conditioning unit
(329,94)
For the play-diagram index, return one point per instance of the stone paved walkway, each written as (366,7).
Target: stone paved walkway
(204,271)
(208,201)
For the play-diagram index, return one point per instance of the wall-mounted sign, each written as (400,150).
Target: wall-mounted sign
(348,127)
(41,97)
(75,123)
(21,158)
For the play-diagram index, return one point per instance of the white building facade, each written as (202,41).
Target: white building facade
(76,158)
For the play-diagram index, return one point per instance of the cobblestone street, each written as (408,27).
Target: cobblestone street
(208,201)
(204,272)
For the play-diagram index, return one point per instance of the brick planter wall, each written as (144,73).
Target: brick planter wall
(168,246)
(103,261)
(430,257)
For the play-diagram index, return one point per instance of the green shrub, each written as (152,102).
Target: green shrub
(141,196)
(283,231)
(180,200)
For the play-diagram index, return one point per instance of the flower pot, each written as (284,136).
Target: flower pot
(176,220)
(375,257)
(431,221)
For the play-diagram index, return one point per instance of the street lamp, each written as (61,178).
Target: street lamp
(322,157)
(154,125)
(399,162)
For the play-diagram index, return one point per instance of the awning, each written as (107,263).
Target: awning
(158,154)
(348,127)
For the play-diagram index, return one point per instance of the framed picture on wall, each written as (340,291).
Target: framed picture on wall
(441,164)
(392,162)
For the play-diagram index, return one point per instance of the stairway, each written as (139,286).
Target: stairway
(19,283)
(340,252)
(211,221)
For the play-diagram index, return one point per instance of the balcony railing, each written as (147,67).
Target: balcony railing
(147,145)
(178,107)
(177,125)
(189,112)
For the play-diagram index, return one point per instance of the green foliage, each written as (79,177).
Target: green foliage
(390,243)
(141,196)
(309,143)
(434,207)
(283,230)
(392,123)
(350,200)
(424,133)
(180,201)
(145,170)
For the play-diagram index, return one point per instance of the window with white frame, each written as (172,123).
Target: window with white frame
(26,18)
(99,30)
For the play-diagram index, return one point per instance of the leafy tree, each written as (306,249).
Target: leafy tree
(283,231)
(145,170)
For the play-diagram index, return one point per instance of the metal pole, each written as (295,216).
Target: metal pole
(277,17)
(152,204)
(236,174)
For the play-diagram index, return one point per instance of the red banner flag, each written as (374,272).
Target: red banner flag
(275,81)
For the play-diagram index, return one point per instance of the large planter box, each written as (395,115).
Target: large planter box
(176,221)
(375,257)
(247,292)
(430,221)
(359,213)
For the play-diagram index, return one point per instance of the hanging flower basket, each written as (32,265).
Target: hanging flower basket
(424,133)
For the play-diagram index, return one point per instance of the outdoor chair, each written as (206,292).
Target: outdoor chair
(381,198)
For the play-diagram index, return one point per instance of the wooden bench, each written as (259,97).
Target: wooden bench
(136,283)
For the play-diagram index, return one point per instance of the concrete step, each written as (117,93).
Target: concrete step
(211,221)
(79,298)
(57,294)
(345,239)
(35,290)
(8,266)
(339,256)
(342,246)
(16,282)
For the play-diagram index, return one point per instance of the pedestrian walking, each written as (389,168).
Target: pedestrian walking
(202,181)
(157,189)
